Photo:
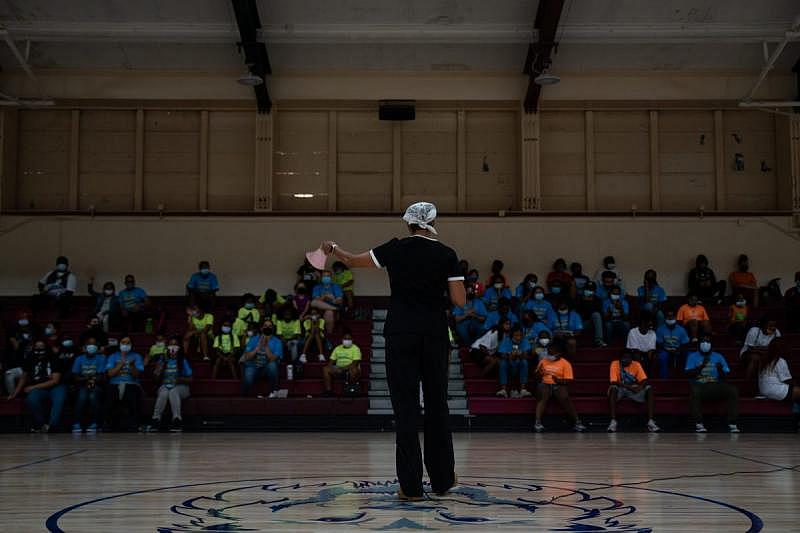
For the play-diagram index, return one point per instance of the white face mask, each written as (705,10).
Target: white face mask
(124,348)
(347,343)
(551,357)
(226,329)
(498,286)
(173,349)
(741,303)
(544,341)
(250,333)
(671,322)
(705,346)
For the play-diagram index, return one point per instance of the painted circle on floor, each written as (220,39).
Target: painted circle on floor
(476,504)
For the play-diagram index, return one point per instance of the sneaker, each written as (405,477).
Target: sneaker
(525,393)
(694,340)
(579,427)
(733,428)
(46,429)
(515,394)
(612,426)
(92,428)
(36,430)
(652,427)
(303,359)
(153,426)
(502,393)
(206,358)
(273,395)
(177,425)
(538,427)
(600,344)
(76,428)
(321,358)
(700,428)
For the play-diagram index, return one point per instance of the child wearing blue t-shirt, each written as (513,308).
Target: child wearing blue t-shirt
(262,357)
(671,338)
(123,369)
(173,374)
(88,374)
(514,352)
(541,307)
(616,312)
(203,286)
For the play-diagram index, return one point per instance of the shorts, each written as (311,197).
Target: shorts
(552,387)
(789,394)
(622,393)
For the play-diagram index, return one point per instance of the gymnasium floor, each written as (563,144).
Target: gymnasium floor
(344,482)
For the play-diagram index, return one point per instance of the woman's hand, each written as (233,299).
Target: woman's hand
(327,247)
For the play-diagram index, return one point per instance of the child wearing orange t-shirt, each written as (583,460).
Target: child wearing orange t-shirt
(694,318)
(628,380)
(743,281)
(555,373)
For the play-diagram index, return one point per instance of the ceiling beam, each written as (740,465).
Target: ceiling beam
(255,52)
(538,59)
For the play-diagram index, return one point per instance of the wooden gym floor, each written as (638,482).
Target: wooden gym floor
(345,482)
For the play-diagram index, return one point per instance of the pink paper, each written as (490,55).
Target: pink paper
(317,258)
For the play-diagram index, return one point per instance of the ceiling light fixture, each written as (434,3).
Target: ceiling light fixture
(303,195)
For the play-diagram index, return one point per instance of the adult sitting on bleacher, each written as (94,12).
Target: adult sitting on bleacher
(703,282)
(774,378)
(106,305)
(262,358)
(202,287)
(19,345)
(57,286)
(629,380)
(694,317)
(652,296)
(707,371)
(757,342)
(173,375)
(41,383)
(124,393)
(136,308)
(792,300)
(345,360)
(328,297)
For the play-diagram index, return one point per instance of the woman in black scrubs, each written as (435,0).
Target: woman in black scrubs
(421,270)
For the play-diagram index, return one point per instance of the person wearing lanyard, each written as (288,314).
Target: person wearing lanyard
(421,270)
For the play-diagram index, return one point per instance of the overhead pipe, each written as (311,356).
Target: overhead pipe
(773,58)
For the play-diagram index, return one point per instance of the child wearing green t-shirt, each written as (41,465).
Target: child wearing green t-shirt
(157,351)
(345,361)
(199,328)
(314,328)
(226,349)
(247,314)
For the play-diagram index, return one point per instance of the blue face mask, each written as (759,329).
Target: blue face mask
(91,349)
(556,290)
(23,322)
(615,297)
(326,280)
(705,346)
(61,267)
(66,343)
(49,331)
(588,294)
(204,271)
(249,305)
(539,296)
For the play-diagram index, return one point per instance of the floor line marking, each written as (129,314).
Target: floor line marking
(45,460)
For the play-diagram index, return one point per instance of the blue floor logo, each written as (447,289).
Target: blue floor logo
(476,504)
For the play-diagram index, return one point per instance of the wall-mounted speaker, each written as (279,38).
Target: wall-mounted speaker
(397,110)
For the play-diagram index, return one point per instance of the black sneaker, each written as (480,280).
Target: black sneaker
(153,426)
(177,426)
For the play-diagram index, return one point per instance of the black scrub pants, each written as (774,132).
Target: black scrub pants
(409,359)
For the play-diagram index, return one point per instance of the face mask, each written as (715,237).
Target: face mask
(615,297)
(671,322)
(531,284)
(539,296)
(498,286)
(23,322)
(249,305)
(49,331)
(113,342)
(124,348)
(173,349)
(347,343)
(611,266)
(705,346)
(314,318)
(250,333)
(91,349)
(61,267)
(326,280)
(66,343)
(544,342)
(108,292)
(26,336)
(196,314)
(40,352)
(226,329)
(588,294)
(556,290)
(204,271)
(563,312)
(551,357)
(741,303)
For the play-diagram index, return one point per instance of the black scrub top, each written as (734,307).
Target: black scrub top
(419,271)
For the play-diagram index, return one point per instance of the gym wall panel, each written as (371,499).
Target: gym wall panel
(364,162)
(492,137)
(686,160)
(752,135)
(172,160)
(107,159)
(231,160)
(622,160)
(429,159)
(43,159)
(300,160)
(562,152)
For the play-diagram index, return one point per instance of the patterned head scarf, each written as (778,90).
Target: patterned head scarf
(422,214)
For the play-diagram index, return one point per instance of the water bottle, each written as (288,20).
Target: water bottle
(290,372)
(148,326)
